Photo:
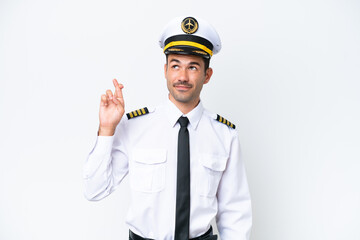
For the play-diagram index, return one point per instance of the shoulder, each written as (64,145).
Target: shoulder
(137,113)
(143,114)
(138,118)
(225,121)
(218,119)
(219,133)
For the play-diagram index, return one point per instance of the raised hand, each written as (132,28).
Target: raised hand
(112,109)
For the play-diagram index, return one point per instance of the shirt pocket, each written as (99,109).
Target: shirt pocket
(147,170)
(208,174)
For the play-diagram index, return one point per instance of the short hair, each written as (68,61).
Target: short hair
(206,62)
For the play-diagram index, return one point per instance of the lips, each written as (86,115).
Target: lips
(182,86)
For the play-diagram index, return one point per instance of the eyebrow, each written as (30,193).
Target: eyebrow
(191,63)
(174,60)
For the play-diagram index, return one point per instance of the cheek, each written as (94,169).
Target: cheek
(198,79)
(171,75)
(169,82)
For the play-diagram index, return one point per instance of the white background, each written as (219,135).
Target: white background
(287,76)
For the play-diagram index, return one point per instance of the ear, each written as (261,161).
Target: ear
(165,69)
(208,75)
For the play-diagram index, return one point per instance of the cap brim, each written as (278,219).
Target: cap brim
(187,50)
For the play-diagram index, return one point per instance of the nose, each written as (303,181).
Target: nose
(183,75)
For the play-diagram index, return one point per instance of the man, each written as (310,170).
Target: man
(183,161)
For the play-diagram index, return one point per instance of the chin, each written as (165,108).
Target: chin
(182,99)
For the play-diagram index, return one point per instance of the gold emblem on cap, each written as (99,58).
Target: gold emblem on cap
(189,25)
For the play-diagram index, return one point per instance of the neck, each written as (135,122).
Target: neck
(184,107)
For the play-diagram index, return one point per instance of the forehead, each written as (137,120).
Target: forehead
(185,58)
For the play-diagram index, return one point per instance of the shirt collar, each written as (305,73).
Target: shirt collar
(173,114)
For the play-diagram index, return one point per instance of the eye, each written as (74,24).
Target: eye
(175,66)
(193,68)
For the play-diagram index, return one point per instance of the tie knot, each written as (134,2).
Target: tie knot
(184,121)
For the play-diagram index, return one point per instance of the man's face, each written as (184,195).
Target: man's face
(185,75)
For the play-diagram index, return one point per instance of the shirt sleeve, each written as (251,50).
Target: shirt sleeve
(234,217)
(105,166)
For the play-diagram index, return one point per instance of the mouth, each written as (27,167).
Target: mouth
(182,86)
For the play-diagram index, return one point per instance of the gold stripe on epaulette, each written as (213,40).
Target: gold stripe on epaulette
(136,113)
(224,121)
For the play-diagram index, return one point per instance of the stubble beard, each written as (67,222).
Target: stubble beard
(184,97)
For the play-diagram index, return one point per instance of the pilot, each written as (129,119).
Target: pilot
(184,162)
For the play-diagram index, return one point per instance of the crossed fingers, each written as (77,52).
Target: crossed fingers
(118,91)
(116,98)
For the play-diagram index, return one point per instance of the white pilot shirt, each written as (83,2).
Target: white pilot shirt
(145,147)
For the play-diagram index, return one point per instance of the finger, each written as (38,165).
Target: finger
(115,99)
(109,94)
(104,100)
(115,82)
(118,89)
(116,85)
(120,101)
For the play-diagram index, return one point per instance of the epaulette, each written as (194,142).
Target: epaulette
(224,121)
(136,113)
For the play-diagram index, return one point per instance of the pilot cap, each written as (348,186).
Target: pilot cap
(190,35)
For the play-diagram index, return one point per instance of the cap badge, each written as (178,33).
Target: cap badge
(189,25)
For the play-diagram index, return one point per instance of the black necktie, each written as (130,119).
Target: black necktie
(183,183)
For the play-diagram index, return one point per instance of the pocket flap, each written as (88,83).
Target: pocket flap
(216,163)
(149,156)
